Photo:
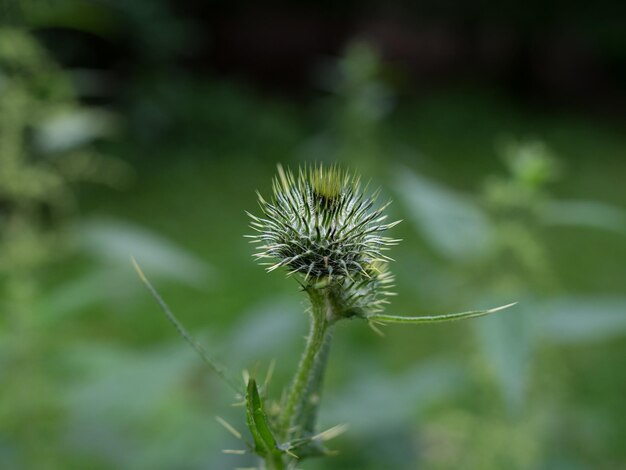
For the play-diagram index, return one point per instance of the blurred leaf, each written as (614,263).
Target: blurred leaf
(450,221)
(134,409)
(75,295)
(113,242)
(124,383)
(376,400)
(583,319)
(218,368)
(507,342)
(584,213)
(70,129)
(257,331)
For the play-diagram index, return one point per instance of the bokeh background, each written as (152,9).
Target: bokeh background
(144,128)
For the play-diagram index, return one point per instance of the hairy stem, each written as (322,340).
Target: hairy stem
(310,369)
(311,399)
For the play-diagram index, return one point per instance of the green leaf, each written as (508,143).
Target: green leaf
(451,222)
(582,213)
(213,364)
(507,343)
(111,242)
(68,129)
(264,440)
(382,318)
(386,401)
(127,391)
(574,320)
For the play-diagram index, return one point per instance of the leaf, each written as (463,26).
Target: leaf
(376,401)
(383,318)
(70,129)
(74,296)
(128,409)
(264,441)
(584,319)
(451,222)
(507,343)
(213,364)
(255,334)
(114,375)
(114,241)
(592,214)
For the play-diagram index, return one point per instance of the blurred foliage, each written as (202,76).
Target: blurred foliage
(358,99)
(45,138)
(48,144)
(498,246)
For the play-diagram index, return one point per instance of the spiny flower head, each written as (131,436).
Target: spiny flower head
(364,296)
(323,226)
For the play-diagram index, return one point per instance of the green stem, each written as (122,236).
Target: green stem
(273,462)
(309,366)
(308,417)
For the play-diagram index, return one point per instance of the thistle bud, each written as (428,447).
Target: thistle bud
(323,227)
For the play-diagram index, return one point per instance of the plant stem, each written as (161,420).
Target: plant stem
(309,366)
(311,399)
(273,462)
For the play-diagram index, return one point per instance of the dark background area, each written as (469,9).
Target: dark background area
(544,53)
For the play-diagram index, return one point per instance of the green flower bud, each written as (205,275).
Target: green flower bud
(324,227)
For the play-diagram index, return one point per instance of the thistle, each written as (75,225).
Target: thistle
(322,227)
(325,230)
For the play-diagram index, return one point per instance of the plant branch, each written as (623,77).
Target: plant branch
(382,318)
